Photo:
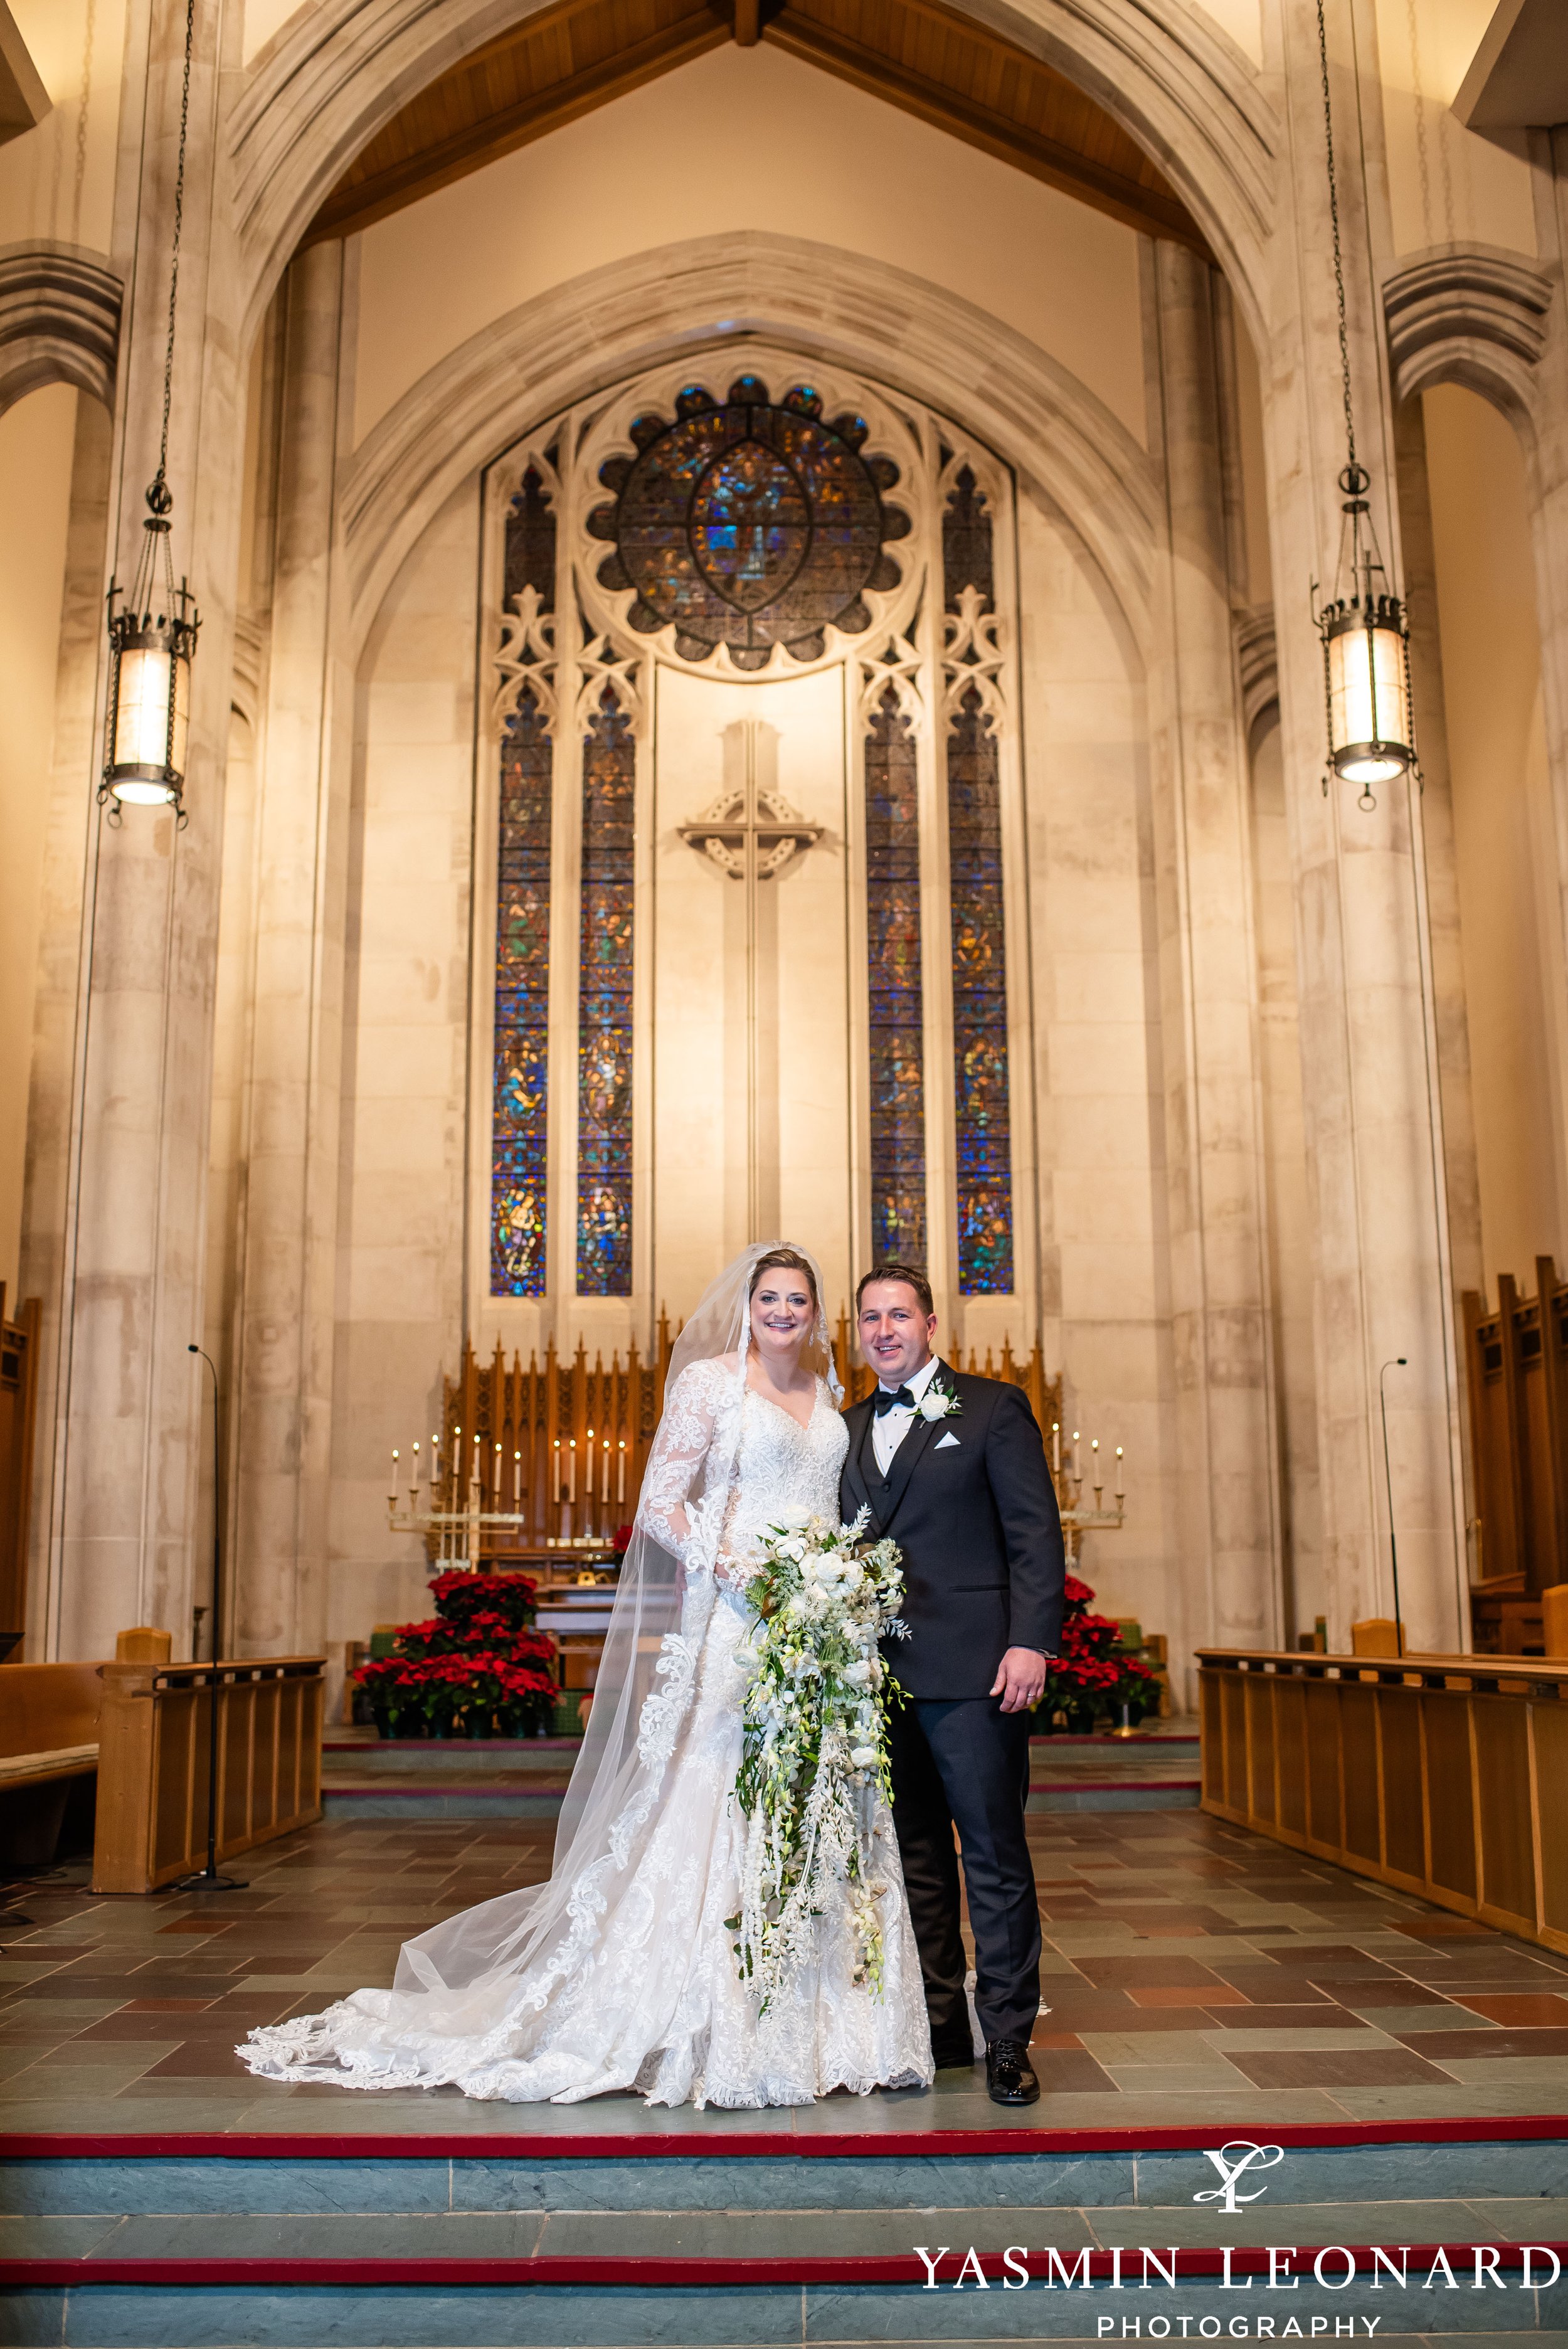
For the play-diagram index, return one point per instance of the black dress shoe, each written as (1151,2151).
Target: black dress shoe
(953,2054)
(1009,2074)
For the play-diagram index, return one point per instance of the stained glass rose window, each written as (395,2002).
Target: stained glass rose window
(750,523)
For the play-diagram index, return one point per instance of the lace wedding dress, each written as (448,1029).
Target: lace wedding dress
(640,1989)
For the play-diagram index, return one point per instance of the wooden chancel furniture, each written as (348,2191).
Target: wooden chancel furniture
(1516,1363)
(1440,1775)
(153,1762)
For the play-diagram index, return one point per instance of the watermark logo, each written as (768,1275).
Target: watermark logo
(1234,2161)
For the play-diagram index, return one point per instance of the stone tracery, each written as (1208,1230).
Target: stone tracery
(750,537)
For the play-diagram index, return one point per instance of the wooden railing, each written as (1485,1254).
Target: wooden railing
(153,1743)
(1442,1776)
(18,1393)
(561,1446)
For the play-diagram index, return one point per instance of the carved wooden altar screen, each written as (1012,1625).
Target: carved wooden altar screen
(563,1444)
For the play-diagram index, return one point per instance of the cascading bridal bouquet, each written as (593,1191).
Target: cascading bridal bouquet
(814,1759)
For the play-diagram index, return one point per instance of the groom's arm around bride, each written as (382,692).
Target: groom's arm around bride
(954,1468)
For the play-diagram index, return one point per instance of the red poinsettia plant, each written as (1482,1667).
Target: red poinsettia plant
(1092,1674)
(477,1669)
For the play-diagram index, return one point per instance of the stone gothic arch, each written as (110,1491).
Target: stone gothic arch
(336,74)
(1049,428)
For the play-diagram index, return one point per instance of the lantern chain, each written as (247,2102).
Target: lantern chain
(157,496)
(1333,225)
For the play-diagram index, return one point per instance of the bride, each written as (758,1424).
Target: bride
(620,1973)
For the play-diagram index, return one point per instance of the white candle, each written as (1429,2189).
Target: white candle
(555,1472)
(435,1468)
(1057,1445)
(1118,1483)
(517,1484)
(621,1479)
(604,1476)
(393,1496)
(572,1471)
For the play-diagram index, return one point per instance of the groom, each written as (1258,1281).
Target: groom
(953,1469)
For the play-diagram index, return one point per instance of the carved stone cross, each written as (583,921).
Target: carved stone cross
(751,832)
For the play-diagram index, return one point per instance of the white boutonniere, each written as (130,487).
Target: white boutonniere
(939,1403)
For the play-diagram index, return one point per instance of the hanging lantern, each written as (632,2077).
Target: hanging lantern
(1365,636)
(151,641)
(1366,661)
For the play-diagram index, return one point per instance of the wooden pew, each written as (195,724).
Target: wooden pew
(18,1394)
(48,1740)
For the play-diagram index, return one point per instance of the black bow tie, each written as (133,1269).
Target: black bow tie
(886,1401)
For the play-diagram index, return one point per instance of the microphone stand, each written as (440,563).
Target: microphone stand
(208,1879)
(1396,1364)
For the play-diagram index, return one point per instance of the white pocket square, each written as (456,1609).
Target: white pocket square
(943,1442)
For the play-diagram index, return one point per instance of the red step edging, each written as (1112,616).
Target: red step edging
(726,2143)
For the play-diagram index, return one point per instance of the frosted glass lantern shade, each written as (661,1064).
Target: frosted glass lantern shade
(1369,691)
(151,715)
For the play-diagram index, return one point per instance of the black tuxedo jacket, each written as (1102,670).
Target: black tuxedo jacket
(977,1521)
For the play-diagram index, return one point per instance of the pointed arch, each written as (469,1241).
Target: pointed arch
(612,321)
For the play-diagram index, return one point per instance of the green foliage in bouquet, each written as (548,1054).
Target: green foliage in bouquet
(1092,1675)
(478,1669)
(814,1759)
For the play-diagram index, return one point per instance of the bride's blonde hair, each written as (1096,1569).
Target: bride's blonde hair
(786,1259)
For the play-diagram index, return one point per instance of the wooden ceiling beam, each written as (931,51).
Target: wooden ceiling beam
(921,56)
(1155,210)
(358,203)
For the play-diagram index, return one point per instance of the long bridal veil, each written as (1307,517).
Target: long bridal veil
(540,1935)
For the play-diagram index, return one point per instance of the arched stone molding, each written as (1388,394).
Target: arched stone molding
(1183,88)
(612,321)
(337,72)
(250,666)
(1469,313)
(1257,667)
(60,321)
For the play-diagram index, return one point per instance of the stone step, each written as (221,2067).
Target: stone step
(719,2232)
(810,2240)
(724,2168)
(447,2305)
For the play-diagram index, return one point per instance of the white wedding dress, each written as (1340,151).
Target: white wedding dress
(641,1990)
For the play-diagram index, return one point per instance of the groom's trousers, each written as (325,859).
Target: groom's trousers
(963,1763)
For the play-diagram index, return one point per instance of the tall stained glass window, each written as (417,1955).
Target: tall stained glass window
(605,1007)
(892,927)
(978,934)
(520,1128)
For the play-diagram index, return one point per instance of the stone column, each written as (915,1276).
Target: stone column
(1209,1014)
(1420,584)
(121,1233)
(1369,1062)
(1546,452)
(282,1340)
